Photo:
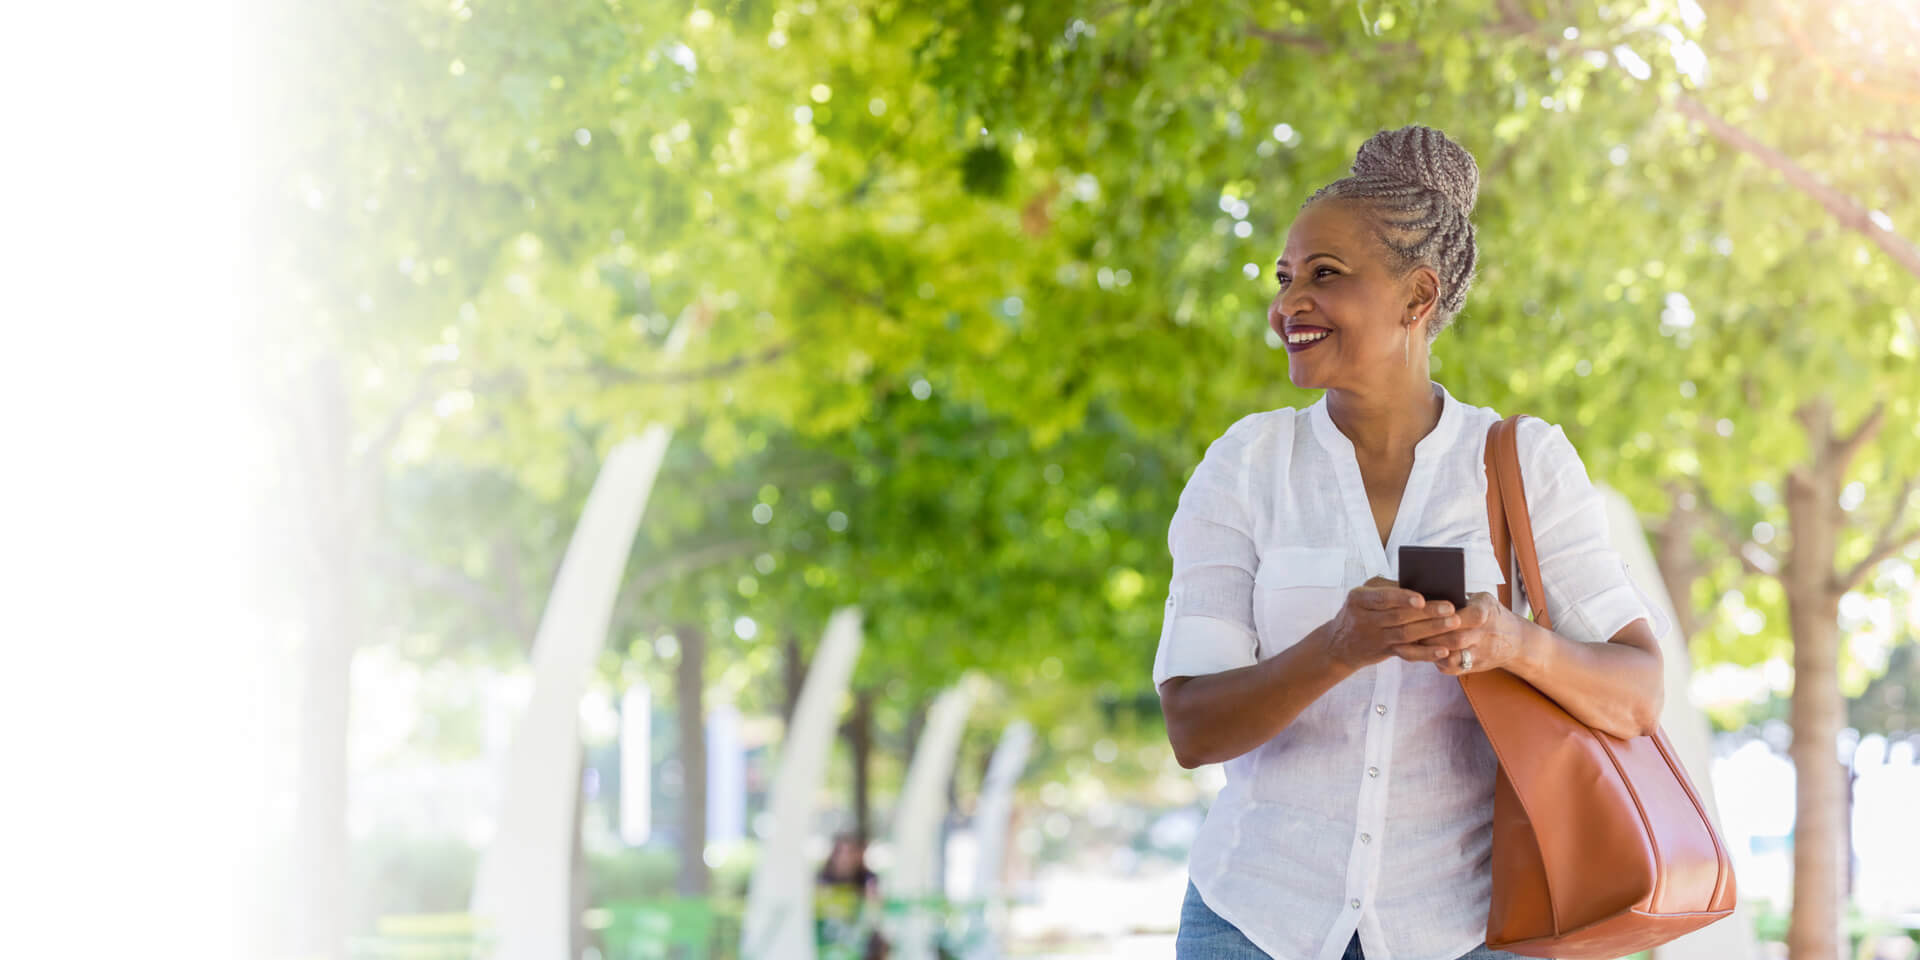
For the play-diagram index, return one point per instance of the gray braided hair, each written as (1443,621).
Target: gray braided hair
(1421,186)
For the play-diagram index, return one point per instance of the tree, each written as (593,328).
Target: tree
(1048,225)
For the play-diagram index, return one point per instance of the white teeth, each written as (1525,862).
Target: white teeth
(1304,337)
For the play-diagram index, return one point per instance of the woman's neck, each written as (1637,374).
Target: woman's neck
(1388,423)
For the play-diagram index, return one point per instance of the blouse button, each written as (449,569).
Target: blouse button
(1354,904)
(1366,838)
(1373,771)
(1380,708)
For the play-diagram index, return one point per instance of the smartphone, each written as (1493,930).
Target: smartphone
(1437,573)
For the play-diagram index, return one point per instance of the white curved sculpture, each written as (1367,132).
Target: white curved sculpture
(990,821)
(1686,726)
(636,765)
(726,777)
(779,920)
(522,890)
(923,805)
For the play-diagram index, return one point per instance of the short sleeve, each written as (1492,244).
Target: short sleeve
(1590,594)
(1208,626)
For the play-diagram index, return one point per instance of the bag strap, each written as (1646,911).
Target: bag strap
(1508,523)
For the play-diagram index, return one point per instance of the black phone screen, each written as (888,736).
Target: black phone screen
(1437,573)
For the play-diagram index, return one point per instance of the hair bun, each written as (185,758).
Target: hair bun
(1424,156)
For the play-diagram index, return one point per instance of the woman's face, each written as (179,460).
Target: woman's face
(845,855)
(1335,284)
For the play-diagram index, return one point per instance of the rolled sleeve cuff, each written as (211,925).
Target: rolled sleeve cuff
(1606,613)
(1196,646)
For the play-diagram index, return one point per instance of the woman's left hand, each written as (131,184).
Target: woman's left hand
(1489,637)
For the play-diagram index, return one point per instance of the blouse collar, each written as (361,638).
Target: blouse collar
(1436,440)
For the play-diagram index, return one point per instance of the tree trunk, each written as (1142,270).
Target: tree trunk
(794,669)
(317,883)
(1679,563)
(860,738)
(689,696)
(1818,713)
(1818,710)
(326,524)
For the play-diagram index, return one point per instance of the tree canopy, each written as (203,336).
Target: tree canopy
(969,286)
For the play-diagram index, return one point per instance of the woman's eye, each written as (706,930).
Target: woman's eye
(1323,271)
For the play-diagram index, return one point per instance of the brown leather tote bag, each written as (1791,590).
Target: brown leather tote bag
(1601,846)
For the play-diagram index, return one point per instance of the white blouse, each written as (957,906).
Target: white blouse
(1372,811)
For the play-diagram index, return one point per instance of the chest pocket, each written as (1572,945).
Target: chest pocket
(1295,591)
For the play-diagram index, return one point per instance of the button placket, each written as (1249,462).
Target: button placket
(1377,751)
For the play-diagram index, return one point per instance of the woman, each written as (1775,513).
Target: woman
(1356,817)
(847,903)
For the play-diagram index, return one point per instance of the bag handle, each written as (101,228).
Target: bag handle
(1508,522)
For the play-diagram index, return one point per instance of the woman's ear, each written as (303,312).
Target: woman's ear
(1425,293)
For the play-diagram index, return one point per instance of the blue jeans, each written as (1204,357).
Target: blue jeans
(1204,936)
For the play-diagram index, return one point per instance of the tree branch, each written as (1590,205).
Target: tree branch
(457,584)
(375,452)
(672,568)
(779,476)
(1895,136)
(507,558)
(1304,41)
(872,298)
(1886,543)
(1756,559)
(1840,206)
(1846,447)
(685,562)
(1514,18)
(711,371)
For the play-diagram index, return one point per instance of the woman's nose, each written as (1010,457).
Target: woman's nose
(1288,304)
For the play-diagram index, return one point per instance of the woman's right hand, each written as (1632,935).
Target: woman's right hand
(1382,619)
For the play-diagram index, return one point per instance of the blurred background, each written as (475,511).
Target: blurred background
(600,453)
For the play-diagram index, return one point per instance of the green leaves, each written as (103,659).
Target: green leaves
(989,276)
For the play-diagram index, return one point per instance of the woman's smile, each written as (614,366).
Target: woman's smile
(1303,337)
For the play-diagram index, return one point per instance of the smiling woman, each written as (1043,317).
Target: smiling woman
(1397,229)
(1357,816)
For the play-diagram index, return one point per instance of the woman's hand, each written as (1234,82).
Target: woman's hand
(1381,619)
(1488,637)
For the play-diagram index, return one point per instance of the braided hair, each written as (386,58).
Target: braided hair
(1420,186)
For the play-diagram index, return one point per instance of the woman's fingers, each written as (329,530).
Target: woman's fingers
(1449,642)
(1445,640)
(1389,598)
(1421,652)
(1397,616)
(1475,615)
(1440,639)
(1426,628)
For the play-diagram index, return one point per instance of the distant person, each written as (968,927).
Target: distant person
(1356,820)
(846,903)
